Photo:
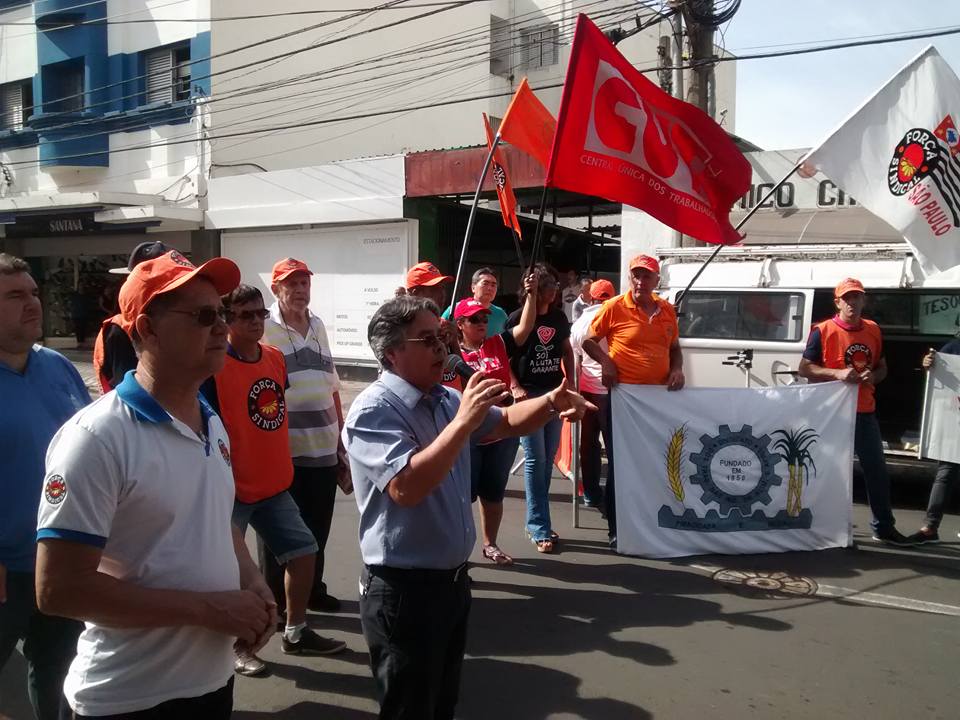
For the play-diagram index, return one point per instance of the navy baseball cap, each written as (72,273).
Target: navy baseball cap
(142,252)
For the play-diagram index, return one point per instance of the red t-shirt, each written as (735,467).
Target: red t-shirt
(493,357)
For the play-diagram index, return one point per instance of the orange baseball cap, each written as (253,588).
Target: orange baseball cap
(468,307)
(167,273)
(602,290)
(646,262)
(848,285)
(425,273)
(287,267)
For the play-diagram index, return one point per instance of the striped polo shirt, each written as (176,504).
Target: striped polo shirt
(311,413)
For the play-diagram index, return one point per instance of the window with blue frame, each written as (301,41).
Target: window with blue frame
(16,104)
(167,73)
(63,86)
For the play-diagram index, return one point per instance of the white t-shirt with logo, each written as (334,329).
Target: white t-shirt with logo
(125,476)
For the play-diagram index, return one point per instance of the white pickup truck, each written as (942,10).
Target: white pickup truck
(746,320)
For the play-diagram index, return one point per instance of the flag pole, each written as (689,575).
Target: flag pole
(539,235)
(470,221)
(516,245)
(739,225)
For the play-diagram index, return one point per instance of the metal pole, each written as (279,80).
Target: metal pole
(539,235)
(470,221)
(739,225)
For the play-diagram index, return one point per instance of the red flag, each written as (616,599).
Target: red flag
(621,137)
(508,201)
(528,124)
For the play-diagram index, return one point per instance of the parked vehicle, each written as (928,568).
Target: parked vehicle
(746,320)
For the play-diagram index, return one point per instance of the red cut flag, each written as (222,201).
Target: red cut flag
(528,124)
(508,201)
(620,137)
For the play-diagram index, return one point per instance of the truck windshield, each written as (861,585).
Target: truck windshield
(736,315)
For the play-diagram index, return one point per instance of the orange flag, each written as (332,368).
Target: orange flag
(528,124)
(508,201)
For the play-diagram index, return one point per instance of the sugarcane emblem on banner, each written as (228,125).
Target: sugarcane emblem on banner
(673,458)
(794,447)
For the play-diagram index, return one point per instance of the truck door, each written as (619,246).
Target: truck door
(743,337)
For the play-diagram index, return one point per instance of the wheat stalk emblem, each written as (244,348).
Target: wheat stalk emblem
(674,460)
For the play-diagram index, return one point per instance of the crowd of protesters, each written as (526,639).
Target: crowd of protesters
(123,563)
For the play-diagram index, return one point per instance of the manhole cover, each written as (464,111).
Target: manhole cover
(773,585)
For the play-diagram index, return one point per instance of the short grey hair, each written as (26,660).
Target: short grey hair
(388,326)
(12,265)
(480,273)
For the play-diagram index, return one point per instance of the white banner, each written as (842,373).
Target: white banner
(898,155)
(941,433)
(732,471)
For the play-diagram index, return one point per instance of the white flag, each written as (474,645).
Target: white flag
(941,430)
(898,156)
(730,471)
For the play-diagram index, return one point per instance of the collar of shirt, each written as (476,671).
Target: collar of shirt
(408,394)
(146,408)
(277,317)
(26,368)
(628,301)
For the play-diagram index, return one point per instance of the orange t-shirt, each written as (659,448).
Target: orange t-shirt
(639,345)
(254,411)
(858,349)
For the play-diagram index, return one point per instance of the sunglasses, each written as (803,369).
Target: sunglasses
(478,319)
(430,341)
(248,315)
(207,316)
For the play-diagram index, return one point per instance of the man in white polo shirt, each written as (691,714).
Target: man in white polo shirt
(314,414)
(134,532)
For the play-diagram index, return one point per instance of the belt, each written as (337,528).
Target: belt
(418,575)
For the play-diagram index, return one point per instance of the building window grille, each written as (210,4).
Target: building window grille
(168,74)
(540,46)
(16,104)
(500,47)
(63,87)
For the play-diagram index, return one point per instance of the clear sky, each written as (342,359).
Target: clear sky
(793,102)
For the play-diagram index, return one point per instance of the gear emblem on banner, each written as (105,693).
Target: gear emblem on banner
(711,492)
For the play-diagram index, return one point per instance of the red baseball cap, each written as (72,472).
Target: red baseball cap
(167,273)
(646,262)
(287,267)
(425,273)
(848,285)
(469,307)
(602,289)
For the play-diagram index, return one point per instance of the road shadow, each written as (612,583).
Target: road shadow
(306,711)
(499,688)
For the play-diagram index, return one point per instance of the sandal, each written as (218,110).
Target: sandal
(544,546)
(496,555)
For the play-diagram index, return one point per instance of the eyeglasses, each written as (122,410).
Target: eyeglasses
(207,316)
(248,315)
(430,341)
(478,319)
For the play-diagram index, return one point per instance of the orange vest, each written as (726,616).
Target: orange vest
(858,349)
(98,352)
(254,411)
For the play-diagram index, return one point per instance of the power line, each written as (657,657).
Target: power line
(349,68)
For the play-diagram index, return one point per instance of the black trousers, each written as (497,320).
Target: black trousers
(592,426)
(314,489)
(415,625)
(609,495)
(49,645)
(216,705)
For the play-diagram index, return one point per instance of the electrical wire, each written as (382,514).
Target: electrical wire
(257,88)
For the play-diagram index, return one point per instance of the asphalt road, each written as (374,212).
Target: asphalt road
(586,633)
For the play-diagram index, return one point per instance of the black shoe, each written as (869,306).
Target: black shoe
(893,537)
(925,535)
(311,644)
(613,543)
(595,504)
(324,603)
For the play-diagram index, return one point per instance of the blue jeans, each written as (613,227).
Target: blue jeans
(868,445)
(278,523)
(539,449)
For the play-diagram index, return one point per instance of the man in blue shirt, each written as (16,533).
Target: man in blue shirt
(41,390)
(408,441)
